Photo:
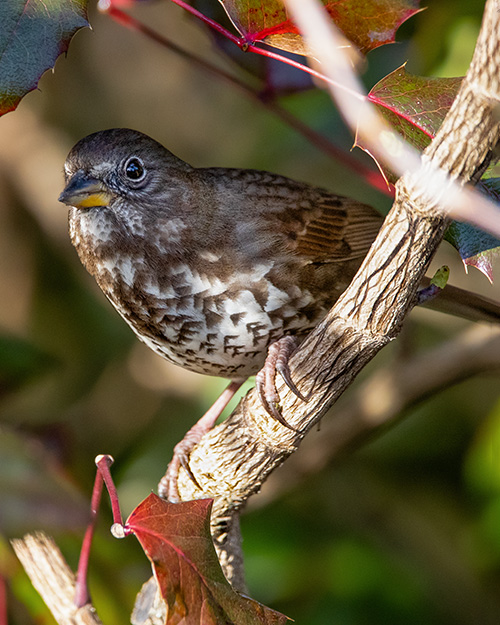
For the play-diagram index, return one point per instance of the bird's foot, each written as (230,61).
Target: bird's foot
(277,362)
(167,488)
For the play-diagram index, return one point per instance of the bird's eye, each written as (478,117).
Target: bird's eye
(134,169)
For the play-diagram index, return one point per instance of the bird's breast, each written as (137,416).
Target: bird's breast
(212,324)
(209,312)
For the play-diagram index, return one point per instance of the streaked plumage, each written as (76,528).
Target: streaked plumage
(209,266)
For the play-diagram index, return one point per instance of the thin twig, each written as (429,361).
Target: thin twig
(246,44)
(371,176)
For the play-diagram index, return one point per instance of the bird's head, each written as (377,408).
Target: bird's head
(110,166)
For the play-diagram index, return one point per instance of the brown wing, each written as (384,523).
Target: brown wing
(338,229)
(308,221)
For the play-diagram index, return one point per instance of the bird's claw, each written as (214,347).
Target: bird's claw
(277,361)
(167,488)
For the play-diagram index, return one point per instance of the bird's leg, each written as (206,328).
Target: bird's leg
(277,361)
(167,488)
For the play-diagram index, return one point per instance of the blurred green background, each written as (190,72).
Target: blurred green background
(405,529)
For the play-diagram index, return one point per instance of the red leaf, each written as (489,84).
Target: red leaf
(176,538)
(367,23)
(32,36)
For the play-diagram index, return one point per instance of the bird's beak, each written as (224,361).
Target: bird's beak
(84,192)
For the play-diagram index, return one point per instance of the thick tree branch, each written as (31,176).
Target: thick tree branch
(384,398)
(233,460)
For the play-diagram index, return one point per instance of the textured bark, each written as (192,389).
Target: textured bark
(233,460)
(385,396)
(53,579)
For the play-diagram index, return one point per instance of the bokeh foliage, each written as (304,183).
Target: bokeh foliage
(405,529)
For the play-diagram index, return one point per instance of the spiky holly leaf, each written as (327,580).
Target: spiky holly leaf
(176,538)
(32,36)
(367,23)
(415,106)
(476,247)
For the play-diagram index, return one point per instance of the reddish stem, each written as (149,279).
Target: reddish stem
(3,601)
(239,41)
(103,476)
(247,44)
(82,595)
(103,464)
(320,141)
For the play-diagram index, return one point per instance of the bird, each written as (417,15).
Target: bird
(221,271)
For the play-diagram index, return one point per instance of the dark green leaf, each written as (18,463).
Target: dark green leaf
(476,247)
(32,36)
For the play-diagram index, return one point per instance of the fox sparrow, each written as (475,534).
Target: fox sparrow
(210,267)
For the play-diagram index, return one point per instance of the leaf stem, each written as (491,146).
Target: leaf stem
(103,476)
(82,594)
(247,45)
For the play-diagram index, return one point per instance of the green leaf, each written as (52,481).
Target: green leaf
(176,538)
(368,24)
(440,278)
(32,35)
(415,106)
(476,247)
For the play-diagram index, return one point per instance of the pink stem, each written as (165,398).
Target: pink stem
(320,141)
(103,476)
(103,464)
(247,45)
(239,41)
(82,594)
(3,601)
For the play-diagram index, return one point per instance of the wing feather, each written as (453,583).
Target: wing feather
(339,229)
